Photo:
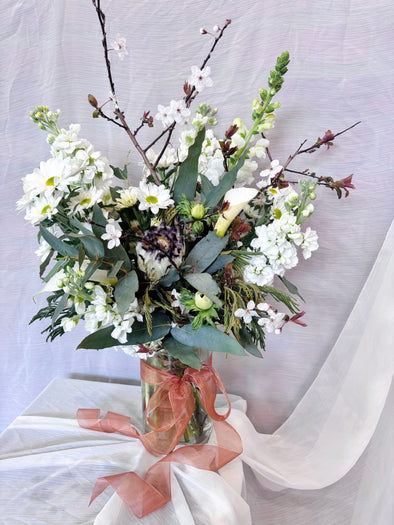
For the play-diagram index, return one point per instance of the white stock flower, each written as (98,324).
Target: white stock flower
(200,78)
(258,272)
(309,243)
(245,174)
(268,174)
(68,324)
(153,197)
(259,149)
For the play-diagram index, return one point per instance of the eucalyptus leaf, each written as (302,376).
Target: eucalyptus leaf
(247,343)
(225,184)
(208,338)
(93,246)
(204,283)
(220,263)
(169,279)
(161,325)
(291,287)
(206,186)
(113,271)
(44,264)
(58,245)
(56,268)
(185,354)
(81,227)
(186,181)
(119,174)
(205,252)
(125,290)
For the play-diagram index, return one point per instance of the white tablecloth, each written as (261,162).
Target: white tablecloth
(49,466)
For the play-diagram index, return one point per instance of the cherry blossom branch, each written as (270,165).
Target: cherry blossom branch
(328,137)
(192,95)
(119,114)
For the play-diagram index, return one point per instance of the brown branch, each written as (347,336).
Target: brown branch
(319,144)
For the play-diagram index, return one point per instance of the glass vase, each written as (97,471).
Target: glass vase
(199,427)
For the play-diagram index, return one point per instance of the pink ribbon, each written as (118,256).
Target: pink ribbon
(168,413)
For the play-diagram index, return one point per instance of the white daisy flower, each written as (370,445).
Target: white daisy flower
(153,197)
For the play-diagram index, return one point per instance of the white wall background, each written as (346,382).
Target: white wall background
(341,71)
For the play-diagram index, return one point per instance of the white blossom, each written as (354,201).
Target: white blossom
(247,314)
(112,234)
(200,78)
(119,45)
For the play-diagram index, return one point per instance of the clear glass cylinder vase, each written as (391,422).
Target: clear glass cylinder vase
(199,427)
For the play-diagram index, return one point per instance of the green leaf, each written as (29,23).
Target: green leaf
(291,287)
(206,186)
(220,263)
(161,325)
(205,252)
(58,245)
(60,307)
(93,246)
(207,338)
(119,174)
(186,180)
(169,279)
(125,290)
(44,264)
(81,227)
(115,269)
(225,184)
(57,267)
(185,354)
(204,283)
(81,255)
(247,342)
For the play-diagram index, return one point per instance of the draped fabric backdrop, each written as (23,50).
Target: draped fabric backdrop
(341,71)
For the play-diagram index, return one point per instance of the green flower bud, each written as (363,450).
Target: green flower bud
(312,195)
(95,113)
(198,211)
(202,301)
(197,227)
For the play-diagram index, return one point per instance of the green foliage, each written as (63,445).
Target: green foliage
(125,290)
(161,325)
(50,312)
(186,180)
(205,252)
(208,338)
(186,354)
(204,283)
(203,316)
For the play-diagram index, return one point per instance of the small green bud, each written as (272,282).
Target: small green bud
(312,195)
(95,113)
(202,301)
(41,125)
(89,285)
(263,94)
(198,211)
(197,227)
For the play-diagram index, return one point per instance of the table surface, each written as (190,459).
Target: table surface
(49,466)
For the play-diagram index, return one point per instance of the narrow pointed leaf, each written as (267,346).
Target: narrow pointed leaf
(205,252)
(225,184)
(58,245)
(186,181)
(60,307)
(291,287)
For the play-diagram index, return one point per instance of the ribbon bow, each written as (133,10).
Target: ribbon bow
(170,408)
(168,413)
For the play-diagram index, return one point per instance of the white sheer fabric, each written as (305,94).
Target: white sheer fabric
(340,73)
